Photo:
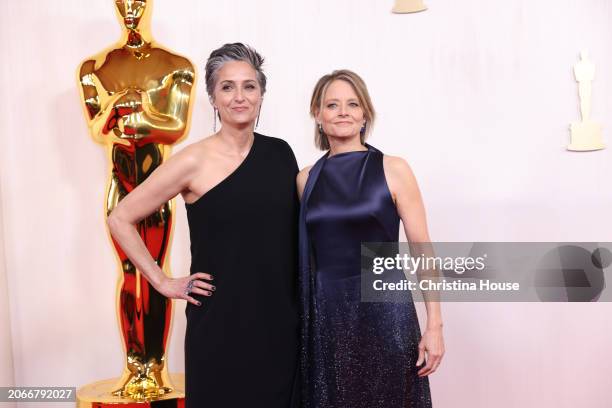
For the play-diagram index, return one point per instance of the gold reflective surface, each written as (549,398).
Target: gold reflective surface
(137,98)
(98,395)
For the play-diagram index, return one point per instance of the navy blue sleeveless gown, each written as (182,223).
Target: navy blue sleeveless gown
(354,354)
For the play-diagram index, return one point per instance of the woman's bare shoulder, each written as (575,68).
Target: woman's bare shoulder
(302,178)
(196,152)
(397,168)
(395,163)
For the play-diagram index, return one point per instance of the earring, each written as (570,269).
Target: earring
(321,130)
(363,129)
(215,120)
(258,113)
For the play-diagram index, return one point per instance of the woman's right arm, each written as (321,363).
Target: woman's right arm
(168,180)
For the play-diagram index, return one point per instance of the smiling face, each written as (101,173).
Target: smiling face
(341,113)
(237,94)
(131,11)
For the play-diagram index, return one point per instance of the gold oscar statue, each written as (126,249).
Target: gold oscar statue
(585,135)
(408,6)
(137,98)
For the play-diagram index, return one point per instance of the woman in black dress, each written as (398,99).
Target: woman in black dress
(239,189)
(358,354)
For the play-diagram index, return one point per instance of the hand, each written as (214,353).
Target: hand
(128,124)
(178,288)
(125,117)
(431,343)
(128,102)
(129,97)
(112,99)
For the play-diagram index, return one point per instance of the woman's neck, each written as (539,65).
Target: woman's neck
(345,144)
(236,140)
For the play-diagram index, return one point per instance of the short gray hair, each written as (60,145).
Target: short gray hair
(233,52)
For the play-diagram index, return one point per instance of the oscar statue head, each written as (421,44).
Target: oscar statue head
(134,14)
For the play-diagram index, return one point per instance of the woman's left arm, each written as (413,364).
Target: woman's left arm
(407,197)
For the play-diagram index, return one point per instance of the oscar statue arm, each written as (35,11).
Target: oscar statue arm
(99,105)
(165,109)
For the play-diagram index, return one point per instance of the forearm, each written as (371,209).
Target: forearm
(431,297)
(164,128)
(126,235)
(164,111)
(434,315)
(106,117)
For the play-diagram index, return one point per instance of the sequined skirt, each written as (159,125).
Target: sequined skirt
(362,355)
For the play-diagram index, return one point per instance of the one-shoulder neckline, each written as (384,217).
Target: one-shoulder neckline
(229,176)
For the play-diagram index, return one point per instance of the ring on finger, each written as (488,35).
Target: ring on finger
(189,288)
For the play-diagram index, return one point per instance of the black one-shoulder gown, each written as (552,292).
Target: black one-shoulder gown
(241,345)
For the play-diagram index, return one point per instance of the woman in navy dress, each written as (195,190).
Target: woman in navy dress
(357,354)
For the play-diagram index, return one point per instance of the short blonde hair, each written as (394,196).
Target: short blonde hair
(363,96)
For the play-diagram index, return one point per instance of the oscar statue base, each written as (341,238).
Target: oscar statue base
(408,6)
(99,395)
(585,137)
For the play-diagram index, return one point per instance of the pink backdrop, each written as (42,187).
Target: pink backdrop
(476,94)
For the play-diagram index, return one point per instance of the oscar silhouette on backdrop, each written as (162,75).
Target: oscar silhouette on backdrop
(586,135)
(408,6)
(136,95)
